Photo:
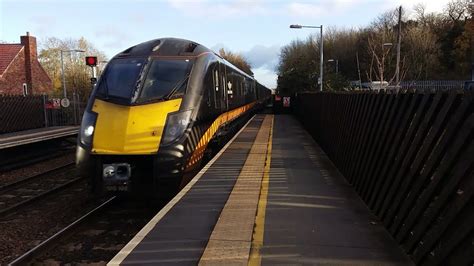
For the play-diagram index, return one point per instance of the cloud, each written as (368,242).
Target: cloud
(218,46)
(137,18)
(43,24)
(322,8)
(306,10)
(212,9)
(266,77)
(113,38)
(261,56)
(328,8)
(264,60)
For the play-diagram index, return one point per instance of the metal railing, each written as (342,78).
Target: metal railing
(19,112)
(433,84)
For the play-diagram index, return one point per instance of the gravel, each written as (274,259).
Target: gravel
(28,227)
(17,174)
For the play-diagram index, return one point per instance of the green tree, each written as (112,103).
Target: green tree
(434,46)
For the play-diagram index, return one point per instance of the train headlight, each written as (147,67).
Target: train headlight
(89,131)
(87,128)
(176,124)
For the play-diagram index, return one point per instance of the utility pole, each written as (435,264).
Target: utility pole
(471,24)
(358,70)
(399,41)
(321,61)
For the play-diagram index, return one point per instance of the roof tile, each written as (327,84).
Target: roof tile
(8,52)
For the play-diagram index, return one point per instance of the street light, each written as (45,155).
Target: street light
(321,64)
(337,64)
(62,67)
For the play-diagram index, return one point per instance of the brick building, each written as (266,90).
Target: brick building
(20,71)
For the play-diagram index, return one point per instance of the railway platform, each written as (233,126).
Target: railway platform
(270,196)
(36,135)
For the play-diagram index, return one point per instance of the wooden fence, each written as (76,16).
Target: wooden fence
(410,156)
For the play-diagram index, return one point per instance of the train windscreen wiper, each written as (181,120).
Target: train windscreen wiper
(178,86)
(106,87)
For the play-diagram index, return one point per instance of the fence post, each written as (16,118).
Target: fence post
(74,106)
(44,111)
(79,109)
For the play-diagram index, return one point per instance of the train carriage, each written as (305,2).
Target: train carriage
(154,112)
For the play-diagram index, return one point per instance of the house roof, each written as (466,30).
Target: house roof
(8,52)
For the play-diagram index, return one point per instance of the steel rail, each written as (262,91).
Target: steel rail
(29,255)
(33,177)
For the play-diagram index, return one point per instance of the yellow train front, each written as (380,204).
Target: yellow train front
(154,112)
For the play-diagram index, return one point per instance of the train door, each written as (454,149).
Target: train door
(216,90)
(223,79)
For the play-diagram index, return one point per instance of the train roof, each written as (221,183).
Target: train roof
(166,47)
(172,47)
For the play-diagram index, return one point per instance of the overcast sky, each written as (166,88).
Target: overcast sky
(255,28)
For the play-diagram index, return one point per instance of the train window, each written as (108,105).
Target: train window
(165,78)
(120,78)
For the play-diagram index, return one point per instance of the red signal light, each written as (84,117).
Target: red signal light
(91,61)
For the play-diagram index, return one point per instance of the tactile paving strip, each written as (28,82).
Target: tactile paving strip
(231,239)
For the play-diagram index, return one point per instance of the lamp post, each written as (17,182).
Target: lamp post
(389,45)
(296,26)
(337,64)
(62,67)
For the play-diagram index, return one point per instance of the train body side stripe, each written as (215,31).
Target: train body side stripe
(198,152)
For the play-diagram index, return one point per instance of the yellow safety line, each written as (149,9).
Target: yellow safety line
(257,238)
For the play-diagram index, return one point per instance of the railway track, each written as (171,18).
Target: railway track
(24,191)
(95,237)
(39,249)
(18,157)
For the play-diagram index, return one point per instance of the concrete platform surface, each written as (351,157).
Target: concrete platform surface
(36,135)
(313,216)
(270,197)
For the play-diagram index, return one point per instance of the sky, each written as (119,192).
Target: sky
(257,29)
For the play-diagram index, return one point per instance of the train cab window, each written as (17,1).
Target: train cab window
(120,78)
(165,79)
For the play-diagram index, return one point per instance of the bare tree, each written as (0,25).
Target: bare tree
(457,10)
(379,52)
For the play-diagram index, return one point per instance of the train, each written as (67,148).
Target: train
(156,111)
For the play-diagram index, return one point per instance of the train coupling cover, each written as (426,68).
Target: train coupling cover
(116,176)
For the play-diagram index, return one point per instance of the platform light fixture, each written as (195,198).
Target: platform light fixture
(62,67)
(337,64)
(321,61)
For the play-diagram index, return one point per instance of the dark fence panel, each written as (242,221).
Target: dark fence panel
(410,156)
(20,113)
